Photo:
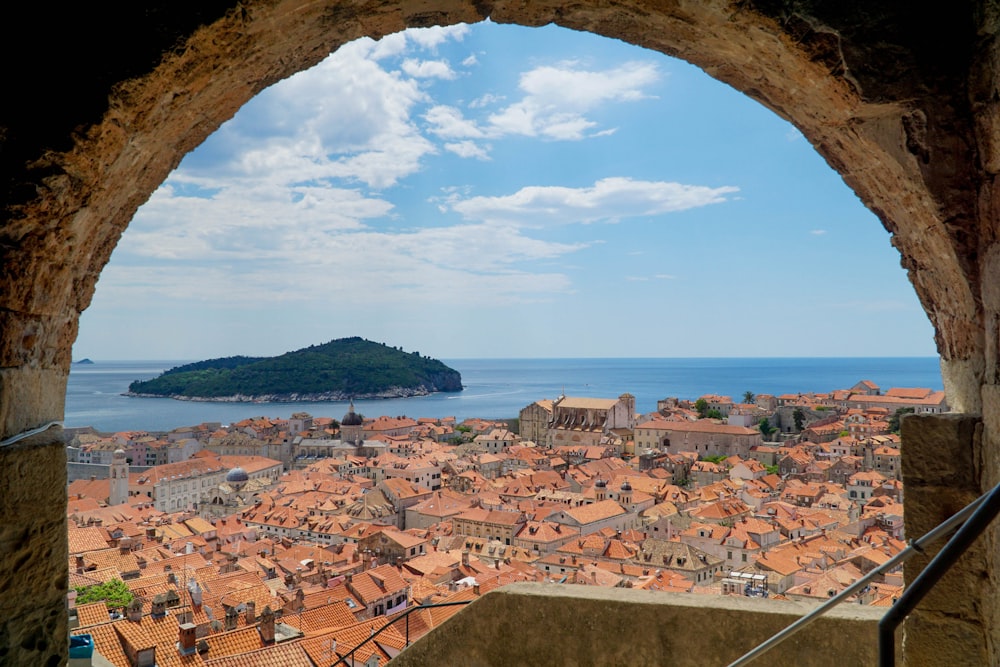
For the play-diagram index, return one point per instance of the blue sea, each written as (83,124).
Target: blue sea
(497,388)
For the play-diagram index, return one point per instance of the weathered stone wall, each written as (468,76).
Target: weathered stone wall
(941,475)
(33,552)
(75,471)
(559,624)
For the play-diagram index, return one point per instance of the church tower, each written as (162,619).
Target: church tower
(119,479)
(351,427)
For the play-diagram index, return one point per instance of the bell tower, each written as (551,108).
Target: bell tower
(119,479)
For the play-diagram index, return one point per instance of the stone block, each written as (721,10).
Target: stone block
(33,552)
(926,633)
(30,397)
(939,450)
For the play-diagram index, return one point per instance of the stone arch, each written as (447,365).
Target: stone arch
(899,103)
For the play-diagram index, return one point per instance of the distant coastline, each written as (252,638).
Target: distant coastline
(497,388)
(325,397)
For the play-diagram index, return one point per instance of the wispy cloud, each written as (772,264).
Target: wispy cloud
(608,200)
(428,69)
(557,98)
(818,232)
(294,198)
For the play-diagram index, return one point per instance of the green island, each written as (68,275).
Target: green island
(347,368)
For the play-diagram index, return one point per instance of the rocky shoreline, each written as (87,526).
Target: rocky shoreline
(332,396)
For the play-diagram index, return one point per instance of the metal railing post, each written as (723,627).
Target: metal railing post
(930,575)
(916,546)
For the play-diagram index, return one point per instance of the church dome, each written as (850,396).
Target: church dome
(626,486)
(237,475)
(600,483)
(352,418)
(119,454)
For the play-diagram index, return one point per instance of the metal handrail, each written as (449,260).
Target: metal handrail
(915,547)
(930,575)
(404,614)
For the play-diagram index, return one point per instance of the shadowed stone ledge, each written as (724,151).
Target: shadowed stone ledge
(553,624)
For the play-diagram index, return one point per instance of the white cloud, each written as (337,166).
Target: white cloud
(665,276)
(818,232)
(486,100)
(312,263)
(558,97)
(286,204)
(428,69)
(431,38)
(468,149)
(470,60)
(448,122)
(582,89)
(609,199)
(387,47)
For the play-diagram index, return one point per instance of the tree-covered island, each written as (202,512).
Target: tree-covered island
(339,370)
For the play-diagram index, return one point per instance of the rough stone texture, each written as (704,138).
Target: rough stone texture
(33,552)
(30,398)
(901,99)
(582,625)
(940,477)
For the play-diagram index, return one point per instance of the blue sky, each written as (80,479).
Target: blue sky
(499,191)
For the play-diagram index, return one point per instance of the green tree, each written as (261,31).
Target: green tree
(114,593)
(701,405)
(748,397)
(896,418)
(765,428)
(799,418)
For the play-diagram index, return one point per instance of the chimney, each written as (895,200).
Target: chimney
(186,638)
(134,610)
(267,626)
(251,613)
(231,617)
(196,596)
(465,557)
(159,609)
(188,548)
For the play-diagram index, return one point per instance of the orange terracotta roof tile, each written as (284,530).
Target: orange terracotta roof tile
(278,655)
(92,613)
